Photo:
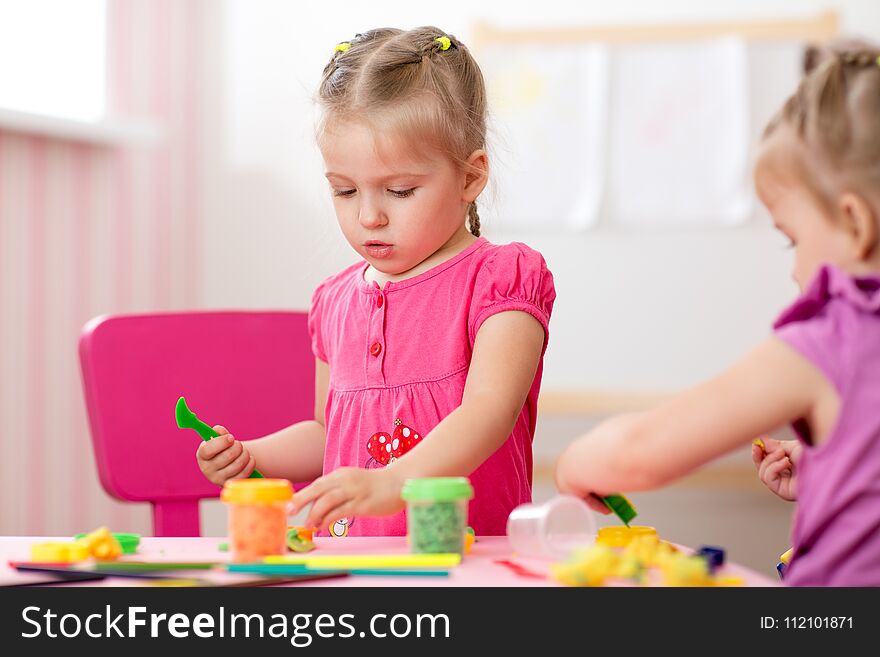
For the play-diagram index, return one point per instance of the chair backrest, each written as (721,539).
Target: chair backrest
(252,372)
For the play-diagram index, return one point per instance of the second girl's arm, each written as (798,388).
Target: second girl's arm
(506,353)
(296,452)
(770,386)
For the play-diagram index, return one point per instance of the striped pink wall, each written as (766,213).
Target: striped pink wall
(87,230)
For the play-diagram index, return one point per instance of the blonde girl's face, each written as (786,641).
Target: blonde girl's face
(395,207)
(799,213)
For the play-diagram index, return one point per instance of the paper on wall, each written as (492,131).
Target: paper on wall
(550,104)
(680,134)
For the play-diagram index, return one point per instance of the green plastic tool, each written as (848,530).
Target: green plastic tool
(621,506)
(186,419)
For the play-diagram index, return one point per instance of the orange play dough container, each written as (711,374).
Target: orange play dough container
(257,510)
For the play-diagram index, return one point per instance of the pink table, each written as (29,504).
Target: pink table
(477,569)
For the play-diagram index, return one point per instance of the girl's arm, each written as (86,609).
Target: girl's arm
(769,387)
(506,354)
(296,452)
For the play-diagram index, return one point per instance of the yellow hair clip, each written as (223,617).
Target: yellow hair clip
(444,42)
(342,47)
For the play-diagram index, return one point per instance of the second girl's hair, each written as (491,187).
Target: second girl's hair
(422,85)
(835,112)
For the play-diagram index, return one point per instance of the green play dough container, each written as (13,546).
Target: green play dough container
(128,542)
(436,513)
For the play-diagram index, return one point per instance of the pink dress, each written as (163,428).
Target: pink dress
(399,359)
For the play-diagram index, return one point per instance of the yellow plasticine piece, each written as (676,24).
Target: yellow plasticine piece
(59,552)
(106,550)
(299,539)
(730,581)
(759,443)
(628,568)
(305,533)
(101,544)
(785,557)
(666,557)
(568,575)
(590,567)
(649,550)
(93,537)
(687,571)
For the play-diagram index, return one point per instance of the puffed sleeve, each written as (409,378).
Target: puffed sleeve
(820,324)
(515,277)
(316,318)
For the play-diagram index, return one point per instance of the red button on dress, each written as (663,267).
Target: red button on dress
(375,348)
(379,301)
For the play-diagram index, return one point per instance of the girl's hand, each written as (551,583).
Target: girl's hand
(596,504)
(224,458)
(776,465)
(593,500)
(347,493)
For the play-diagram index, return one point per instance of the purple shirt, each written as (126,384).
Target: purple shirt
(835,325)
(399,359)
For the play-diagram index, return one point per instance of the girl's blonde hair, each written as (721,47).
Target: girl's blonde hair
(835,112)
(421,85)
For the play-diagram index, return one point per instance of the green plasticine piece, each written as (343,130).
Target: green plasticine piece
(621,506)
(186,419)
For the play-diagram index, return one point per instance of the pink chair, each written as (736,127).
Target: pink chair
(252,372)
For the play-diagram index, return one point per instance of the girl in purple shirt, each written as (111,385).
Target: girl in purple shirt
(818,173)
(429,349)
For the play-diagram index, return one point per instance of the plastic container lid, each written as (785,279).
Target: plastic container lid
(621,535)
(128,542)
(437,489)
(257,491)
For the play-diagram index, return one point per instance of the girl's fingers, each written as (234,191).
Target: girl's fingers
(219,428)
(307,494)
(779,468)
(246,471)
(235,467)
(757,455)
(211,448)
(596,504)
(327,502)
(769,460)
(771,444)
(228,455)
(332,515)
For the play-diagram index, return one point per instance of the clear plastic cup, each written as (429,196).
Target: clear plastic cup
(553,529)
